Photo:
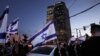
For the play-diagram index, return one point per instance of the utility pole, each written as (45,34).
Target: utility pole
(80,32)
(76,32)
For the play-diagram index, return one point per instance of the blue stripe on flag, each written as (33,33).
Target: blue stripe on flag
(5,11)
(14,22)
(50,36)
(47,38)
(2,35)
(44,29)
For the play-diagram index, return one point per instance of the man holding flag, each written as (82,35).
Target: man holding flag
(45,35)
(12,30)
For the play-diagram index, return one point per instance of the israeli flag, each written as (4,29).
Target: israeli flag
(44,35)
(13,27)
(3,28)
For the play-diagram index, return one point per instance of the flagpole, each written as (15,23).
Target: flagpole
(5,43)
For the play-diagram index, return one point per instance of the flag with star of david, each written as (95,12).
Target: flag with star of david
(13,27)
(44,35)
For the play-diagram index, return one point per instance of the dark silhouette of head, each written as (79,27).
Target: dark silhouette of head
(95,29)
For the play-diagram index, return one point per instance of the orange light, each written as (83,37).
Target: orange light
(29,46)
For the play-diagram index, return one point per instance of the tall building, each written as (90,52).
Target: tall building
(50,13)
(60,15)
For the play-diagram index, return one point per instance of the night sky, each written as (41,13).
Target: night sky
(33,13)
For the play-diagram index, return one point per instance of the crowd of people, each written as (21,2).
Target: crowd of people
(15,48)
(89,47)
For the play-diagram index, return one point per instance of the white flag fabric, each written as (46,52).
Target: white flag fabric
(13,27)
(82,38)
(3,27)
(72,39)
(44,35)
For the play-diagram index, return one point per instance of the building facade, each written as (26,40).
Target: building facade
(50,13)
(60,15)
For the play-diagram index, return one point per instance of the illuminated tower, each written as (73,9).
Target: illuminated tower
(60,15)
